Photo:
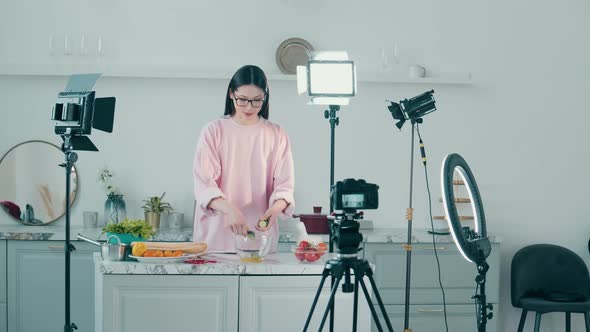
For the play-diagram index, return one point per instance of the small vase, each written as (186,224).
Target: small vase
(114,209)
(153,218)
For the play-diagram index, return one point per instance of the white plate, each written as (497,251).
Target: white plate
(166,260)
(291,53)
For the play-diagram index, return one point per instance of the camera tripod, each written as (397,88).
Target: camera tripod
(347,238)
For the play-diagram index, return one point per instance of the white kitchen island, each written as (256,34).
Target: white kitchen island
(227,295)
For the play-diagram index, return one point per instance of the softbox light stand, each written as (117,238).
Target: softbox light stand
(76,113)
(408,245)
(329,78)
(70,158)
(330,115)
(413,110)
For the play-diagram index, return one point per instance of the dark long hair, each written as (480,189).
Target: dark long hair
(247,75)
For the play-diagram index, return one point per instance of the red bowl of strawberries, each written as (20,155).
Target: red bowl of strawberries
(309,252)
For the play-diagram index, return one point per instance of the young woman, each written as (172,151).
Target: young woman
(243,168)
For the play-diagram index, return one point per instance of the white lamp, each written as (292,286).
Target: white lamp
(329,78)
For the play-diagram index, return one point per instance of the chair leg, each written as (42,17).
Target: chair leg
(522,320)
(568,322)
(537,321)
(587,320)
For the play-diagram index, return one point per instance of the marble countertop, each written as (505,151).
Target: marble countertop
(57,233)
(393,235)
(274,264)
(376,235)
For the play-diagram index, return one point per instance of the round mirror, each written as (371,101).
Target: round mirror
(32,184)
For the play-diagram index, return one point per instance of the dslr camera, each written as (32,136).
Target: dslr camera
(351,194)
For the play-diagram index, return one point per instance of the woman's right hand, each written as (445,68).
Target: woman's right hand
(234,219)
(237,222)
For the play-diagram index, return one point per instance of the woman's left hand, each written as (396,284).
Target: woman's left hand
(271,215)
(265,222)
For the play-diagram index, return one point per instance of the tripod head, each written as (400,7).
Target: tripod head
(345,232)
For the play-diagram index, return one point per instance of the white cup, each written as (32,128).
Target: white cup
(175,220)
(90,219)
(416,71)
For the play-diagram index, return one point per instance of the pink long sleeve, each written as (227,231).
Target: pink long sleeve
(284,177)
(250,166)
(206,171)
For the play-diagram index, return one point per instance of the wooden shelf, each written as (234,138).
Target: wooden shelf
(171,71)
(402,77)
(459,200)
(461,218)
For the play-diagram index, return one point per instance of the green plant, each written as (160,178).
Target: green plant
(139,228)
(156,204)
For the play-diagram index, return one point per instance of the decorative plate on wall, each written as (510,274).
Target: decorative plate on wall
(291,53)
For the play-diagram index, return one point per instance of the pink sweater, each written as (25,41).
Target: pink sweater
(250,166)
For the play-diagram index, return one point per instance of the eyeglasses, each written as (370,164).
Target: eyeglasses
(244,102)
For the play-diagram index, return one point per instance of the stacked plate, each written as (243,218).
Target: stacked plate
(291,53)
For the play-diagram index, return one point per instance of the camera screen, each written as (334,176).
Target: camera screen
(353,201)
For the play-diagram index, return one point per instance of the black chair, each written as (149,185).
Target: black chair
(549,278)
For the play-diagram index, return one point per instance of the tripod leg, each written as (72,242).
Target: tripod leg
(379,300)
(315,299)
(330,301)
(356,303)
(332,309)
(372,307)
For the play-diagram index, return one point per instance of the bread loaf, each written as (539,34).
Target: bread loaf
(186,247)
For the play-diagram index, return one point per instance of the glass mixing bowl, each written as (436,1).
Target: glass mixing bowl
(253,249)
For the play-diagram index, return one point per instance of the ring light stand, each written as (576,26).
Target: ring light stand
(474,244)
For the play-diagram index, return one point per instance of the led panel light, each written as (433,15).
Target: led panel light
(329,78)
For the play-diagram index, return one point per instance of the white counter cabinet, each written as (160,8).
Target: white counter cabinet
(36,286)
(251,297)
(144,303)
(430,318)
(282,303)
(426,305)
(225,296)
(3,299)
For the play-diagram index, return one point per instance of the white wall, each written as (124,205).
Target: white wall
(7,181)
(520,126)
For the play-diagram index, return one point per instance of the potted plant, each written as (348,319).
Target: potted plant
(153,207)
(130,230)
